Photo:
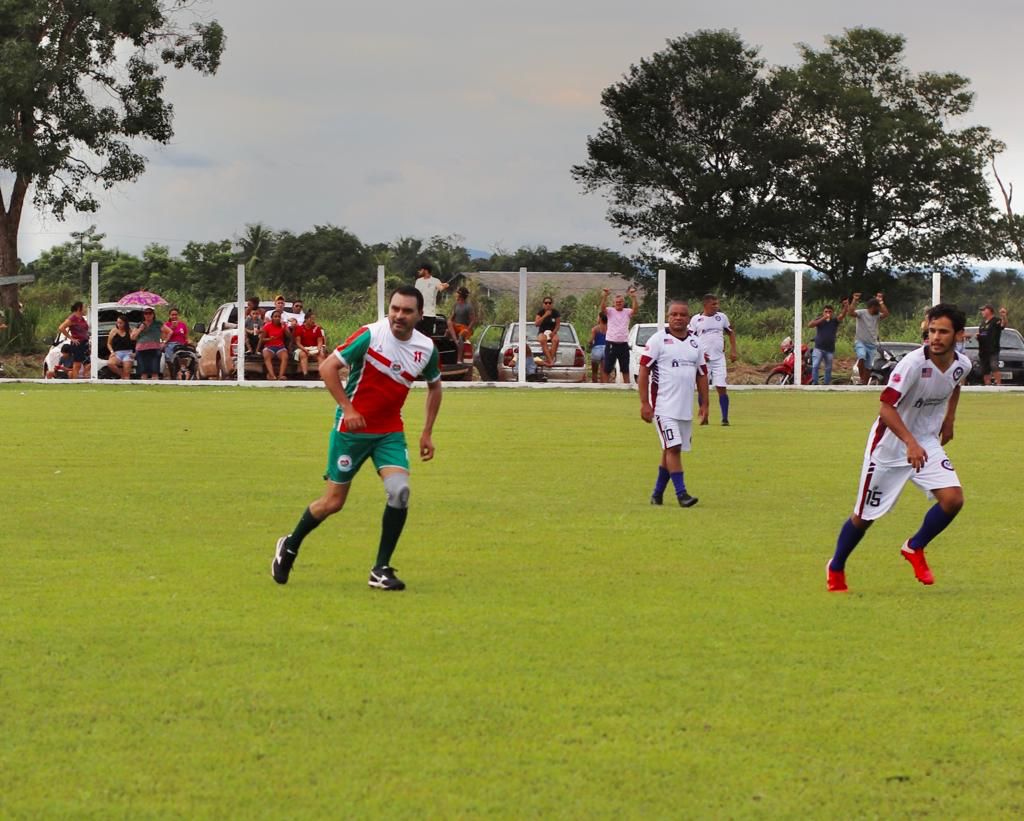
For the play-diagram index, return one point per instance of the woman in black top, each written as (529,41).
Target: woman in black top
(122,349)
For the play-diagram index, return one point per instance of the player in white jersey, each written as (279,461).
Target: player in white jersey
(906,442)
(712,326)
(672,365)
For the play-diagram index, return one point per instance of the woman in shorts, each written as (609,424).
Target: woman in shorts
(274,338)
(122,349)
(76,330)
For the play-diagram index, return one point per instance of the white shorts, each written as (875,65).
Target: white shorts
(880,485)
(716,372)
(674,432)
(311,350)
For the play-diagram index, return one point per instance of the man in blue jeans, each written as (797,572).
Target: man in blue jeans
(825,327)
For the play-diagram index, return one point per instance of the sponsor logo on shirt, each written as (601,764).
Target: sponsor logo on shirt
(896,377)
(926,372)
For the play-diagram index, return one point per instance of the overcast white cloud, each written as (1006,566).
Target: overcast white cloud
(465,117)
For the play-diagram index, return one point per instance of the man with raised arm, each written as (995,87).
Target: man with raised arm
(616,350)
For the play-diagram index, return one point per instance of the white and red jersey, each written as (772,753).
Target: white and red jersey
(674,364)
(920,392)
(382,368)
(711,330)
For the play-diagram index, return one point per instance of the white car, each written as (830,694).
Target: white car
(638,336)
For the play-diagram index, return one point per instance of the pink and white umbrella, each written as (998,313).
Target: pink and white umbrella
(142,298)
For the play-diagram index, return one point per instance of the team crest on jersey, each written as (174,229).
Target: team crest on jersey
(396,367)
(344,462)
(957,373)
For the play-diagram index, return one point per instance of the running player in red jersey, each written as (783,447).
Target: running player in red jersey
(384,358)
(915,421)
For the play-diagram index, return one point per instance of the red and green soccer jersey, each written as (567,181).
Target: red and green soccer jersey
(382,368)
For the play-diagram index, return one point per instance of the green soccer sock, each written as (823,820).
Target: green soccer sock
(390,530)
(307,524)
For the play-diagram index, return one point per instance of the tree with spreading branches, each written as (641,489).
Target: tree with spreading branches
(81,86)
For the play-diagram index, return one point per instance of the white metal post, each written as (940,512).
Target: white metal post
(936,287)
(94,318)
(661,298)
(798,306)
(240,330)
(521,357)
(380,292)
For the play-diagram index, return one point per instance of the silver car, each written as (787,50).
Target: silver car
(497,351)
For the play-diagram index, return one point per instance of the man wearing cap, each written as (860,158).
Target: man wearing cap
(462,320)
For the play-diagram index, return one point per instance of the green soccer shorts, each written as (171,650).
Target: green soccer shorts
(348,451)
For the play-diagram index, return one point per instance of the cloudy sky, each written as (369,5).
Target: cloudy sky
(402,118)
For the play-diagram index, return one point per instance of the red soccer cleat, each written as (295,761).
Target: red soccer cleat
(836,579)
(916,559)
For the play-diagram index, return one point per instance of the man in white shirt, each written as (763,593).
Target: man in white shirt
(906,442)
(671,366)
(712,326)
(428,285)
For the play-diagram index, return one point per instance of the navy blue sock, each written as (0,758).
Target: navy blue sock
(723,403)
(306,525)
(849,537)
(662,481)
(935,521)
(678,483)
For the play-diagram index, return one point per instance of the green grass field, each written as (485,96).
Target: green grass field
(563,649)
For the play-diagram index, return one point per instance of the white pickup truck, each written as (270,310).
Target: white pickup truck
(217,349)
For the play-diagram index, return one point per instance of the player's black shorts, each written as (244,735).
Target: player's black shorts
(616,352)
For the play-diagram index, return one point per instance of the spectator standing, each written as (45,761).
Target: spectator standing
(76,330)
(712,326)
(616,350)
(309,342)
(121,347)
(865,343)
(175,333)
(548,321)
(148,339)
(462,320)
(990,333)
(428,285)
(274,340)
(825,328)
(598,336)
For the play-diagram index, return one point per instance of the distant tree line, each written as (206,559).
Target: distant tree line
(329,260)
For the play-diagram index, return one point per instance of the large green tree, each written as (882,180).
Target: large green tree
(81,83)
(688,152)
(884,181)
(331,257)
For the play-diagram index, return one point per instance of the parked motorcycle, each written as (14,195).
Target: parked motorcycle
(782,374)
